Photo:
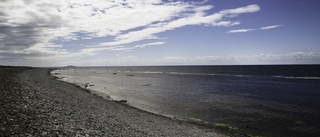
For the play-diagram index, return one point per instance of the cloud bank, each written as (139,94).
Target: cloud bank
(37,30)
(286,58)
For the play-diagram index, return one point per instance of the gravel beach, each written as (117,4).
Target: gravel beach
(33,103)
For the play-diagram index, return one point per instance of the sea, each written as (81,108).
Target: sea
(239,100)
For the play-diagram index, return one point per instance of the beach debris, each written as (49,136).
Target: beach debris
(221,125)
(123,101)
(114,73)
(196,119)
(251,128)
(88,85)
(147,85)
(130,75)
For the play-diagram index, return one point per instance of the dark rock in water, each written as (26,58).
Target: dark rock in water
(123,101)
(147,84)
(114,73)
(70,66)
(130,75)
(87,84)
(251,128)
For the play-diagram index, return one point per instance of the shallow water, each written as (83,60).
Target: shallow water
(252,100)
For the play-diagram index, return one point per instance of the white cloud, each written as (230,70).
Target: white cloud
(149,44)
(248,30)
(65,19)
(240,30)
(128,48)
(287,58)
(225,23)
(197,18)
(270,27)
(31,28)
(247,9)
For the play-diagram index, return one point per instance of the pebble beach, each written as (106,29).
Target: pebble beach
(33,103)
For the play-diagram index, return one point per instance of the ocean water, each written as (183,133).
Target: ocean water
(265,100)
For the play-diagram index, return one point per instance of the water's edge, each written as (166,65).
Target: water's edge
(220,127)
(238,100)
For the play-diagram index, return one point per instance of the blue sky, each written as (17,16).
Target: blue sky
(159,32)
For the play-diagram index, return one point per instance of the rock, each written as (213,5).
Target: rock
(123,101)
(87,84)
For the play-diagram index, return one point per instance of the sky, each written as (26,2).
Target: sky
(45,33)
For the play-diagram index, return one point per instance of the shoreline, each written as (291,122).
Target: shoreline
(60,108)
(86,86)
(195,122)
(240,106)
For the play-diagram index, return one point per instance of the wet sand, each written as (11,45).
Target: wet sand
(34,103)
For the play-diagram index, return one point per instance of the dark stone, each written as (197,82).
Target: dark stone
(123,101)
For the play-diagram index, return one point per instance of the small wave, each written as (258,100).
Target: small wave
(216,74)
(152,72)
(183,73)
(186,73)
(146,72)
(289,77)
